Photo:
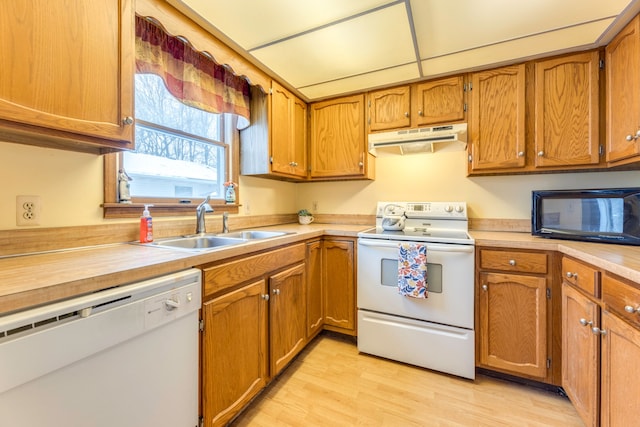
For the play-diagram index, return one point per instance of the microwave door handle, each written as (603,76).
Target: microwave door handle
(430,246)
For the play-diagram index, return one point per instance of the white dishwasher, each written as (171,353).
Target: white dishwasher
(126,356)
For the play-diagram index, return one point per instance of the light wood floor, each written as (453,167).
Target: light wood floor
(331,384)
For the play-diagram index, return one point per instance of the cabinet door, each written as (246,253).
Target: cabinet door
(620,401)
(566,111)
(281,129)
(234,352)
(513,323)
(69,66)
(315,312)
(339,285)
(390,108)
(439,101)
(299,142)
(338,145)
(497,120)
(287,315)
(288,129)
(623,89)
(580,353)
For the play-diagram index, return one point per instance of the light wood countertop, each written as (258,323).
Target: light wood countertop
(37,279)
(623,260)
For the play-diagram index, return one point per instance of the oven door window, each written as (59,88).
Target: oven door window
(389,272)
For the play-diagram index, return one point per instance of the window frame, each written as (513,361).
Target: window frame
(166,206)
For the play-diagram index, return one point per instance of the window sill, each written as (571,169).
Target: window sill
(134,210)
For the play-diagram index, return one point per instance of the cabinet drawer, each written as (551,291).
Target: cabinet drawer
(233,273)
(581,275)
(621,298)
(525,262)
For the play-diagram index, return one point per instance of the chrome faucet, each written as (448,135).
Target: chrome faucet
(200,211)
(225,222)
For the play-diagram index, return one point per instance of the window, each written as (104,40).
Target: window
(188,110)
(179,153)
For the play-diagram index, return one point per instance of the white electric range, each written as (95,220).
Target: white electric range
(436,332)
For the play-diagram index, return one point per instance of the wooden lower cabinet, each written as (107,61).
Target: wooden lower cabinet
(513,323)
(580,353)
(517,329)
(620,389)
(339,279)
(315,306)
(234,349)
(260,311)
(601,346)
(287,316)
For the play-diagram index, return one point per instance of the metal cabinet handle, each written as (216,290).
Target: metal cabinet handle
(127,120)
(570,275)
(406,114)
(485,288)
(420,113)
(585,322)
(512,262)
(598,331)
(540,153)
(630,309)
(276,291)
(520,153)
(633,137)
(265,297)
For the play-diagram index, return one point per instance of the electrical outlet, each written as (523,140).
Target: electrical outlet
(314,206)
(247,208)
(28,210)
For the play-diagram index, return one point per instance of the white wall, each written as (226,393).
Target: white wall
(70,186)
(442,177)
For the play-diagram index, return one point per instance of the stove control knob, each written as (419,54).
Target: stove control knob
(448,208)
(459,208)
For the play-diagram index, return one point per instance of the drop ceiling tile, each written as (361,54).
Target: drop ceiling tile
(556,41)
(371,42)
(454,26)
(362,82)
(252,23)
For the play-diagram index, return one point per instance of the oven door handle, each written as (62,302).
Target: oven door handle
(430,246)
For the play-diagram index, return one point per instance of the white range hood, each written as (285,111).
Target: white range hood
(420,140)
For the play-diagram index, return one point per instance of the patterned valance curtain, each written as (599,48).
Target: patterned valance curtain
(191,76)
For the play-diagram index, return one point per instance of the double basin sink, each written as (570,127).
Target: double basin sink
(204,242)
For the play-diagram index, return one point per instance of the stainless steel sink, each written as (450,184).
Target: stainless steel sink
(199,243)
(255,234)
(208,242)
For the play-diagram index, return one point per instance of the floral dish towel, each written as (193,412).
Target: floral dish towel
(412,270)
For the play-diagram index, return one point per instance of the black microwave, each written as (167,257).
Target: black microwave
(610,215)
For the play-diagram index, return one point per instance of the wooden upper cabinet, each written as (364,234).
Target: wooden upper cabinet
(422,104)
(566,111)
(67,74)
(497,119)
(390,108)
(338,147)
(275,144)
(623,87)
(438,101)
(288,132)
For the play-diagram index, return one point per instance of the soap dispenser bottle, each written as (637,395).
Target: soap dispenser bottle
(146,226)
